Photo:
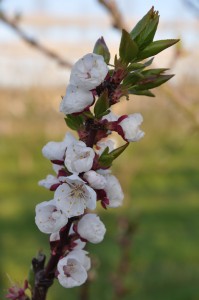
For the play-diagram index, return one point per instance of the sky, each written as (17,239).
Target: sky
(169,10)
(73,35)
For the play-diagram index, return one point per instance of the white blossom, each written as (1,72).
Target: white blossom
(75,100)
(103,171)
(103,144)
(113,190)
(49,218)
(56,150)
(73,269)
(91,228)
(130,127)
(55,236)
(81,255)
(95,180)
(89,71)
(79,158)
(73,196)
(49,181)
(79,244)
(111,117)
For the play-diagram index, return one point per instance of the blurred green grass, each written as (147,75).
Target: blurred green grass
(160,178)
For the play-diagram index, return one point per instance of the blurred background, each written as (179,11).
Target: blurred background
(151,249)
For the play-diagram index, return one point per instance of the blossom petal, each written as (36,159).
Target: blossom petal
(68,202)
(91,228)
(49,218)
(79,158)
(89,71)
(75,100)
(92,197)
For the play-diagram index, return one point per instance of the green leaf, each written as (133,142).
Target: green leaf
(107,158)
(74,121)
(154,71)
(101,105)
(31,277)
(156,47)
(132,78)
(145,30)
(152,82)
(88,114)
(140,26)
(105,152)
(146,37)
(135,66)
(149,62)
(128,48)
(101,48)
(118,151)
(141,93)
(139,66)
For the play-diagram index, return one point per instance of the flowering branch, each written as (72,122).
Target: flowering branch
(82,165)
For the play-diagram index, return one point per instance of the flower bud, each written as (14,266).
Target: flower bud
(113,191)
(79,158)
(56,150)
(49,218)
(95,180)
(89,71)
(91,228)
(128,127)
(73,269)
(75,100)
(111,117)
(101,48)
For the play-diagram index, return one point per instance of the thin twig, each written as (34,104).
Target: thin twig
(112,8)
(192,5)
(33,42)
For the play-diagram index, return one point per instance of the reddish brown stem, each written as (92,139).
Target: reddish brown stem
(44,276)
(52,263)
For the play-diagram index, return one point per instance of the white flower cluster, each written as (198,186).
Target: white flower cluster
(75,187)
(87,73)
(79,181)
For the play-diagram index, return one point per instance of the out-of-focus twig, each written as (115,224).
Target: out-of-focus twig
(33,42)
(179,101)
(111,6)
(193,5)
(126,232)
(84,291)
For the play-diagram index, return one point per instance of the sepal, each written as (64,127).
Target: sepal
(106,158)
(74,121)
(102,105)
(141,93)
(101,48)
